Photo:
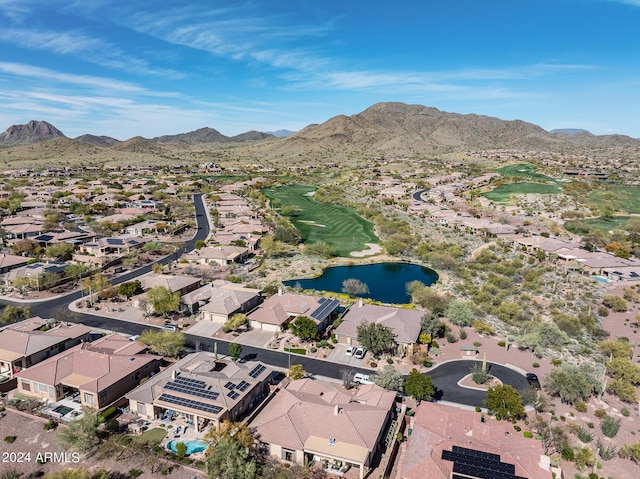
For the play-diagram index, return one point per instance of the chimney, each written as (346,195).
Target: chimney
(336,410)
(360,303)
(280,291)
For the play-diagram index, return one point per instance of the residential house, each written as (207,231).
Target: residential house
(203,389)
(10,261)
(220,300)
(33,340)
(36,271)
(283,307)
(218,255)
(100,372)
(313,420)
(404,323)
(173,282)
(110,246)
(445,440)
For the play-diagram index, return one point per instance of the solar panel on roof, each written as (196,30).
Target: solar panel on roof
(230,385)
(325,309)
(233,395)
(478,464)
(197,405)
(243,385)
(257,371)
(191,390)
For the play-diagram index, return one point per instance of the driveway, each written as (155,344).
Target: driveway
(338,355)
(255,337)
(204,328)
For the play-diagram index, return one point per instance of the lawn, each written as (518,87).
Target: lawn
(622,198)
(524,171)
(615,223)
(338,226)
(152,436)
(502,193)
(296,351)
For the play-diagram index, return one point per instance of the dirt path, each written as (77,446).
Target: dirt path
(481,248)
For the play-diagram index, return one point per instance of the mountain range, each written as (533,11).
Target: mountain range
(384,129)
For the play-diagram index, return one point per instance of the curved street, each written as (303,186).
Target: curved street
(445,376)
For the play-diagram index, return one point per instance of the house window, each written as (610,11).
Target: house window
(102,396)
(142,408)
(26,385)
(88,398)
(288,455)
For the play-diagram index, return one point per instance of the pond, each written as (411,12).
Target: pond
(387,282)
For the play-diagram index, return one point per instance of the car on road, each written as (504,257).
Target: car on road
(362,379)
(134,337)
(170,327)
(533,380)
(350,350)
(360,352)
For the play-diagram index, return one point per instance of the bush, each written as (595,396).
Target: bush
(478,409)
(462,334)
(502,343)
(517,428)
(373,365)
(49,425)
(590,425)
(556,362)
(610,426)
(600,413)
(477,344)
(625,412)
(450,337)
(426,363)
(226,329)
(584,434)
(615,303)
(112,425)
(312,349)
(389,361)
(536,365)
(602,311)
(10,439)
(581,406)
(133,473)
(527,434)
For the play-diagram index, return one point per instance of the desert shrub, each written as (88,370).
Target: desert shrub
(625,412)
(600,413)
(373,365)
(610,426)
(477,344)
(615,303)
(478,409)
(556,362)
(389,361)
(502,343)
(313,349)
(49,425)
(602,311)
(581,406)
(462,334)
(630,451)
(625,391)
(226,329)
(606,451)
(517,428)
(134,473)
(479,374)
(584,435)
(527,434)
(536,365)
(450,337)
(590,425)
(10,439)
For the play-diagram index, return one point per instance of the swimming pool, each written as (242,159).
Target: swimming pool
(192,446)
(63,410)
(601,279)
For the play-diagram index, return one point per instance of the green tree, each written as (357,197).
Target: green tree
(505,402)
(624,369)
(75,271)
(615,303)
(419,386)
(431,325)
(94,285)
(235,350)
(12,314)
(60,251)
(296,371)
(81,435)
(354,287)
(130,288)
(460,313)
(304,328)
(389,378)
(164,343)
(25,246)
(163,300)
(320,248)
(570,383)
(181,449)
(272,248)
(236,321)
(428,298)
(377,338)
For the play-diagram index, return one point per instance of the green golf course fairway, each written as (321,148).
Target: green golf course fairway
(502,193)
(339,226)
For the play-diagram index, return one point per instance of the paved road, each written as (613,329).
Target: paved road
(445,376)
(418,195)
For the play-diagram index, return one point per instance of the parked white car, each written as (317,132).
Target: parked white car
(362,379)
(350,350)
(360,352)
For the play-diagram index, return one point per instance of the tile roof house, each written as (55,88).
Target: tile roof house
(10,261)
(405,323)
(321,421)
(173,282)
(101,372)
(438,430)
(112,246)
(282,307)
(219,300)
(218,255)
(203,390)
(23,344)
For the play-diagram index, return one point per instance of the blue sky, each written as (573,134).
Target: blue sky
(164,67)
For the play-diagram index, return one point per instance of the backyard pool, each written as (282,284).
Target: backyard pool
(192,446)
(63,410)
